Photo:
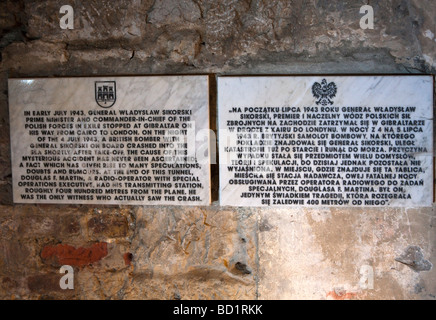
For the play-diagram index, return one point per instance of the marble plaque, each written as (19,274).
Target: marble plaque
(326,141)
(115,140)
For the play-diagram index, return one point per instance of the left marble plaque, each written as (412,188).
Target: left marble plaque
(112,140)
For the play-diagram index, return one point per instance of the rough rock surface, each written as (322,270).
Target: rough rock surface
(212,252)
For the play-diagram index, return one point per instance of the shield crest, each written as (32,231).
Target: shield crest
(105,93)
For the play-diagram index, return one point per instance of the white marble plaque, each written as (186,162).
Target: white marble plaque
(326,141)
(114,140)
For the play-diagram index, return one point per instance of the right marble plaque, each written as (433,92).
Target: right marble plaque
(326,140)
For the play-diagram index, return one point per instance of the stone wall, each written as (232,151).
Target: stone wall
(215,252)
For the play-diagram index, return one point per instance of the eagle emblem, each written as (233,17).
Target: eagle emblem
(324,92)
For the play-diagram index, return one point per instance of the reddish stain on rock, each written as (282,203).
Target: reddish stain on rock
(128,257)
(63,254)
(342,295)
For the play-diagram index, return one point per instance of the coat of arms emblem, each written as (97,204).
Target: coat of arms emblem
(105,93)
(324,92)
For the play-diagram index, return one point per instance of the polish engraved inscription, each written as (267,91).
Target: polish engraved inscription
(326,141)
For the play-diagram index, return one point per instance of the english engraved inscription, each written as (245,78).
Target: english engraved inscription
(326,141)
(119,140)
